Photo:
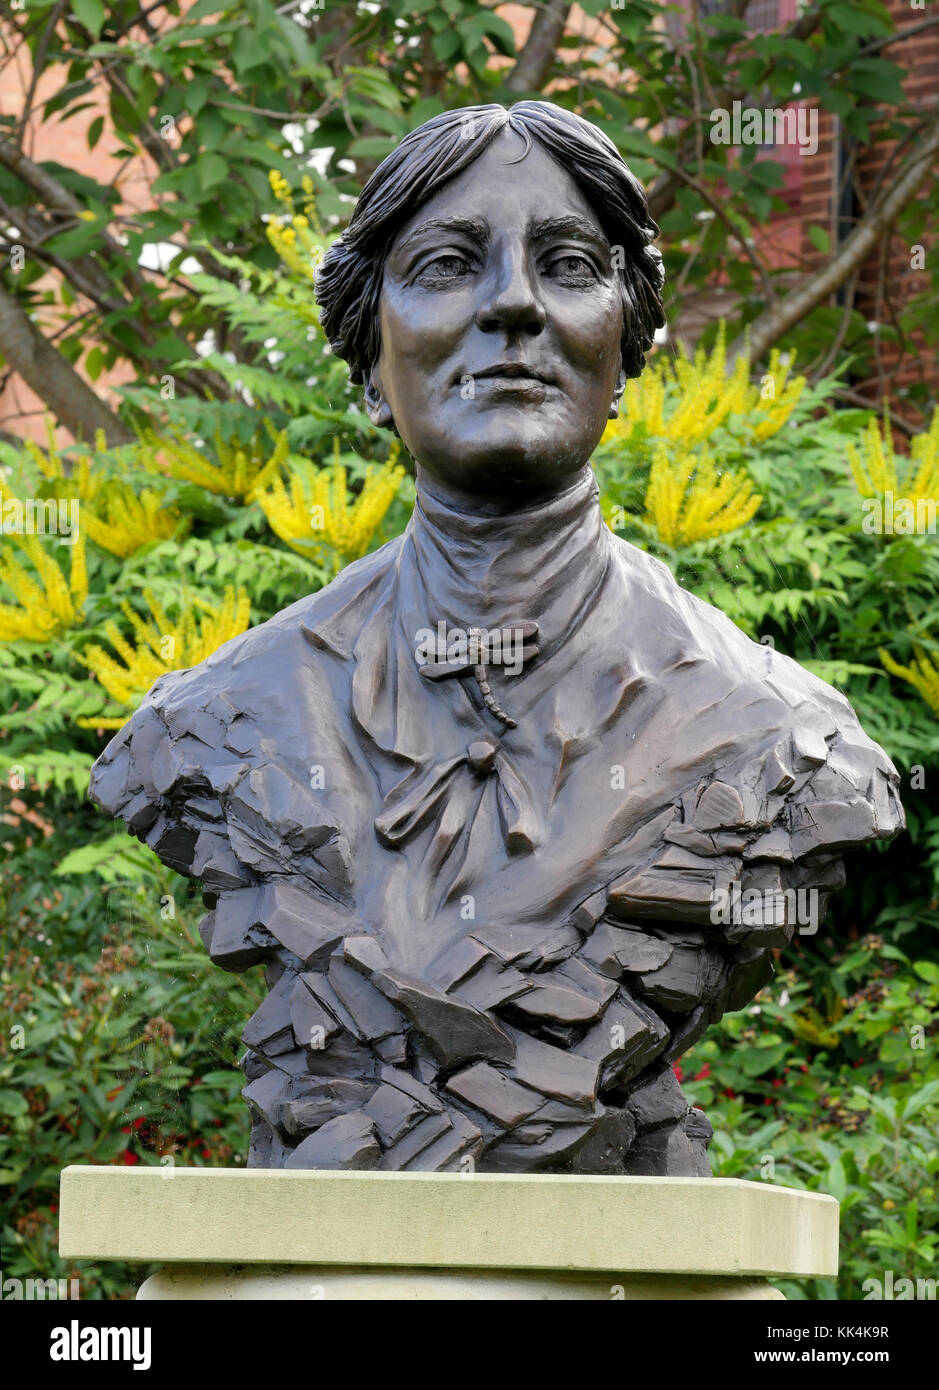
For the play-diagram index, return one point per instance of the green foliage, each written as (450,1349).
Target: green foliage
(121,1038)
(830,1083)
(217,96)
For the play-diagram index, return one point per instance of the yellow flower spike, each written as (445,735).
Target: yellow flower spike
(161,646)
(875,466)
(685,399)
(922,674)
(188,465)
(121,522)
(318,519)
(31,597)
(47,601)
(78,579)
(687,502)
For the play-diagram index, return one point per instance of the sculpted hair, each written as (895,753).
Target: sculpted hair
(349,281)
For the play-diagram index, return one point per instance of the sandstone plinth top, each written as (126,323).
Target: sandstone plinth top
(448,1221)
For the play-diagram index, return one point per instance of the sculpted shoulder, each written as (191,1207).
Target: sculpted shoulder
(199,730)
(790,742)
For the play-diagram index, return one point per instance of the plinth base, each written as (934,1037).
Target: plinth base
(313,1234)
(298,1282)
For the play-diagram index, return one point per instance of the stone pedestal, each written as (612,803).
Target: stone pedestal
(228,1233)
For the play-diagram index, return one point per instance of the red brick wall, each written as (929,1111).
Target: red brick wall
(900,365)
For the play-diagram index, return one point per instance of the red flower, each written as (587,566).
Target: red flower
(677,1070)
(704,1073)
(206,1153)
(140,1122)
(125,1129)
(127,1157)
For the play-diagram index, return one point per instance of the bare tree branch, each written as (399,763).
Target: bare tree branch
(777,319)
(57,198)
(39,63)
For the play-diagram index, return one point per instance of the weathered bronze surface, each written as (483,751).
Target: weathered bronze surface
(508,816)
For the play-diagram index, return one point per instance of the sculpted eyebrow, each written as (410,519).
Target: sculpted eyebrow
(566,226)
(473,227)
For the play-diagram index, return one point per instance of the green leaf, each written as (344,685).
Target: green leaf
(485,24)
(757,1060)
(927,970)
(90,13)
(445,45)
(836,1180)
(371,147)
(197,94)
(112,859)
(94,131)
(212,170)
(921,1098)
(855,19)
(12,1102)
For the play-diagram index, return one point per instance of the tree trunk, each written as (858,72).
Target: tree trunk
(54,380)
(534,62)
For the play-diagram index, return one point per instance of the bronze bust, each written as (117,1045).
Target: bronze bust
(481,804)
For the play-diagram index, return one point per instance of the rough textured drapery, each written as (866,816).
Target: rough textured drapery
(487,944)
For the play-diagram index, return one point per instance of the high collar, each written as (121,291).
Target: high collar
(543,563)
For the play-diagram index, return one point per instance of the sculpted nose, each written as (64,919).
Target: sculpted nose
(510,300)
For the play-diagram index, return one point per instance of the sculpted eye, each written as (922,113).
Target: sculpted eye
(443,268)
(572,269)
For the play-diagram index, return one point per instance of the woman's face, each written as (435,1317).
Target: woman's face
(501,321)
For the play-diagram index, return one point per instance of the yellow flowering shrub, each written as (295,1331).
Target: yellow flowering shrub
(121,521)
(161,645)
(876,469)
(111,513)
(687,500)
(922,674)
(314,512)
(46,601)
(241,470)
(685,399)
(79,480)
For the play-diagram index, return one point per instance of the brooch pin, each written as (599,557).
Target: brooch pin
(471,651)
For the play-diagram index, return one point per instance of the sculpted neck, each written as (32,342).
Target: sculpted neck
(494,505)
(540,561)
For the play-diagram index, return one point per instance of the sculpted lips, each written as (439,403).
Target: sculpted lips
(510,376)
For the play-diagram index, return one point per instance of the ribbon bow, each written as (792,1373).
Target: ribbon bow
(445,790)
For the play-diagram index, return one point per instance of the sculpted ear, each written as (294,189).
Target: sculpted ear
(379,411)
(618,390)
